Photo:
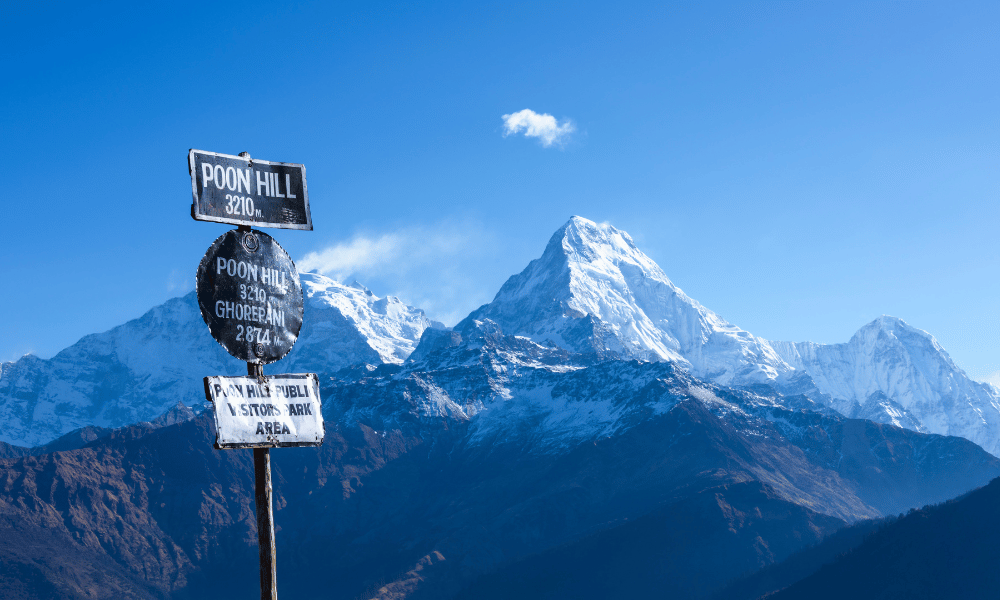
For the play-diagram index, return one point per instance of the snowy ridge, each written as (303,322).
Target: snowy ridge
(593,290)
(344,325)
(506,389)
(138,370)
(892,372)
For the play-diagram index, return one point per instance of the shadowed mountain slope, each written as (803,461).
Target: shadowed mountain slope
(686,549)
(938,552)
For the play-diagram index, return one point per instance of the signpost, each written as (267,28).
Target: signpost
(244,191)
(251,299)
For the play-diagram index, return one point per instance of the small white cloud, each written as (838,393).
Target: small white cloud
(544,127)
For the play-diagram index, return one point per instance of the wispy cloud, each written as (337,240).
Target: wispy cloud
(541,126)
(430,268)
(177,282)
(358,254)
(389,252)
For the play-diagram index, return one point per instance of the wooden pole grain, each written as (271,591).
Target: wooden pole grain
(265,512)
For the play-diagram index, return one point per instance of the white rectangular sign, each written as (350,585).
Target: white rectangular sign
(282,411)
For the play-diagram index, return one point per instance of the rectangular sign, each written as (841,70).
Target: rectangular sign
(246,191)
(283,411)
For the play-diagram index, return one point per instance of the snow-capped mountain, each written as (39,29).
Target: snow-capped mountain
(895,373)
(138,370)
(594,291)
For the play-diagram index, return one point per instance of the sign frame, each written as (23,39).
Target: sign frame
(198,212)
(226,436)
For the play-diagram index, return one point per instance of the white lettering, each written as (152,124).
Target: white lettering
(288,185)
(206,174)
(220,309)
(219,177)
(277,186)
(263,183)
(241,270)
(220,265)
(231,179)
(243,182)
(231,267)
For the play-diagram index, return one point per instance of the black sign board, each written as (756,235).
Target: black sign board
(250,296)
(246,191)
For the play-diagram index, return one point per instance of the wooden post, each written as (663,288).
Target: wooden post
(265,512)
(265,523)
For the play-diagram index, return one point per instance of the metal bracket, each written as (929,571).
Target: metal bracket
(256,370)
(246,155)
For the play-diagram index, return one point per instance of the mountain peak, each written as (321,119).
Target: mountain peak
(583,240)
(360,286)
(898,329)
(889,323)
(594,291)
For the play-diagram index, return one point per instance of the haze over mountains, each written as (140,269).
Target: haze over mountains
(583,409)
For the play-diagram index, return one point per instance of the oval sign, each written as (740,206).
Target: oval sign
(250,296)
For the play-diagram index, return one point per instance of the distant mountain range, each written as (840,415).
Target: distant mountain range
(591,431)
(138,370)
(591,292)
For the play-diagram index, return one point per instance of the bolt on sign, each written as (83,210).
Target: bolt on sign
(251,299)
(250,296)
(244,191)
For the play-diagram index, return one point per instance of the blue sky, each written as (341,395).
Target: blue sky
(800,168)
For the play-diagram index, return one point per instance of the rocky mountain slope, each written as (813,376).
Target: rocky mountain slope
(510,392)
(410,497)
(138,370)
